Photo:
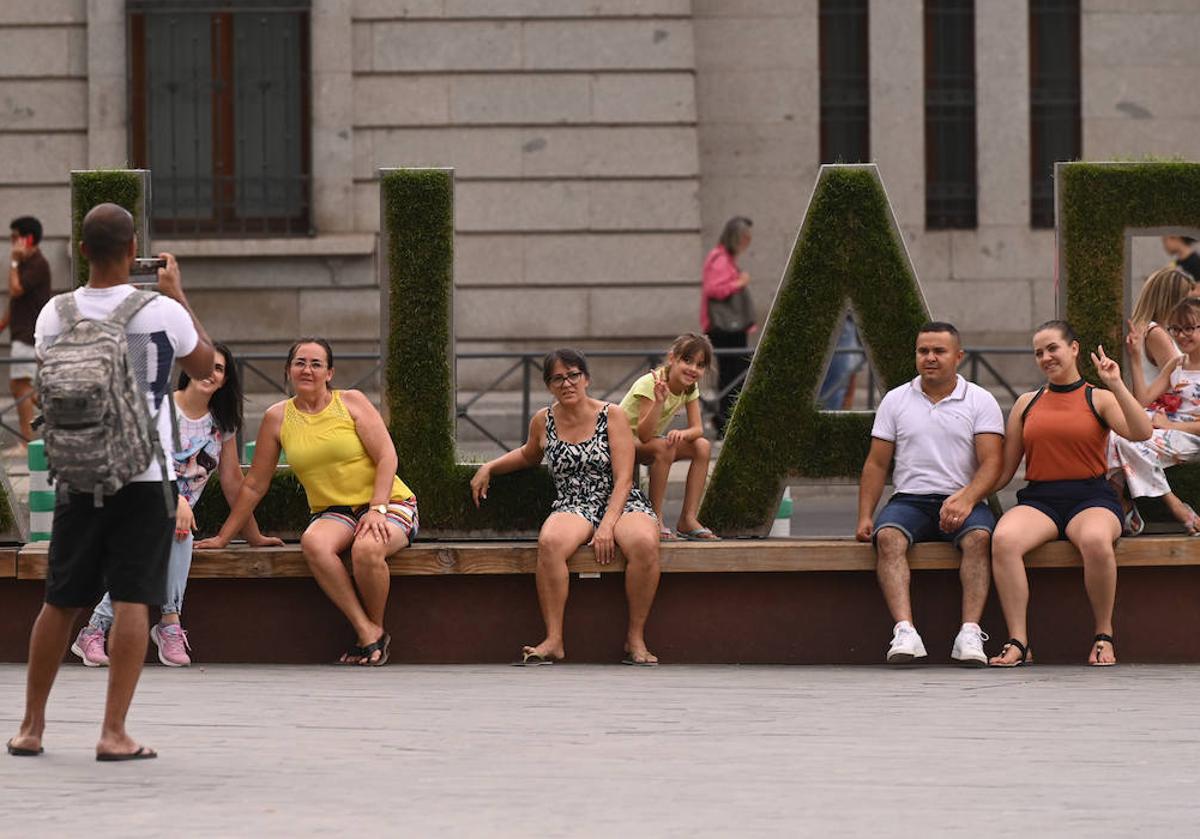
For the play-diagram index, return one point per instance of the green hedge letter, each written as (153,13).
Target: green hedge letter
(1100,208)
(417,262)
(849,252)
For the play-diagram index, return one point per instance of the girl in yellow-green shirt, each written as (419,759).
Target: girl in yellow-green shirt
(340,450)
(651,404)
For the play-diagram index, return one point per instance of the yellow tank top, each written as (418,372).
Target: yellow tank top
(327,456)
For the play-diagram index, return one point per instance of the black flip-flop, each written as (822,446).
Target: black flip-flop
(383,646)
(1103,638)
(1021,648)
(354,651)
(142,753)
(18,751)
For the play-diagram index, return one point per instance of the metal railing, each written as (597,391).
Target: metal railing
(522,367)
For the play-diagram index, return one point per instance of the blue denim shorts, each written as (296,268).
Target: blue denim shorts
(916,516)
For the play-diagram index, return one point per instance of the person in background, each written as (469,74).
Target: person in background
(1182,249)
(28,292)
(722,277)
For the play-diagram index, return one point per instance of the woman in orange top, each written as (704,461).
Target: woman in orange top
(1062,430)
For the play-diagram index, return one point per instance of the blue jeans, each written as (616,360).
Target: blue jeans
(179,564)
(837,379)
(917,517)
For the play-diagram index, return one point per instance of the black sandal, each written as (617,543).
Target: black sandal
(1024,659)
(383,646)
(1102,638)
(352,656)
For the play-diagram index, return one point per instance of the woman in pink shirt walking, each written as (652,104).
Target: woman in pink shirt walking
(722,278)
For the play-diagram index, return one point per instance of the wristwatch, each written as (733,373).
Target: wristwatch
(380,508)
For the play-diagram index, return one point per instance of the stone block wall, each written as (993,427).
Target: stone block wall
(599,146)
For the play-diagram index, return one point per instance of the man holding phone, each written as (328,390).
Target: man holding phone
(28,292)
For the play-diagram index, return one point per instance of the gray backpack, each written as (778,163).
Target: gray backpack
(99,431)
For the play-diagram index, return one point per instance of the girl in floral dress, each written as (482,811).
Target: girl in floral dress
(1173,402)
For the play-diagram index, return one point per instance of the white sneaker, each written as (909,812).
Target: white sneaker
(906,644)
(968,646)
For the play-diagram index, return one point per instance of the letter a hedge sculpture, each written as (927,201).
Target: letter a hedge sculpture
(849,252)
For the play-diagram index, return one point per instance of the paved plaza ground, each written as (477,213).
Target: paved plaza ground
(612,751)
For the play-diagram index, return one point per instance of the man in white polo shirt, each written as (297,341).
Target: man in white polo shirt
(946,435)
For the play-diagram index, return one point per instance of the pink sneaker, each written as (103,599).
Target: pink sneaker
(89,646)
(171,640)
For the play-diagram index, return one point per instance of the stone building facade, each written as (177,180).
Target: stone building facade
(599,145)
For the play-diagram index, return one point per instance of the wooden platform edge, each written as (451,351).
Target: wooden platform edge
(8,563)
(730,556)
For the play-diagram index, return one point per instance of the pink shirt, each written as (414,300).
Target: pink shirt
(720,280)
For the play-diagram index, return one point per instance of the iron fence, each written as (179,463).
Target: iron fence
(522,372)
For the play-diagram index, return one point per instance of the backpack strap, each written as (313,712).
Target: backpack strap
(130,306)
(67,309)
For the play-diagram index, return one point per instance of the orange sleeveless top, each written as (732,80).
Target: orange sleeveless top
(1065,438)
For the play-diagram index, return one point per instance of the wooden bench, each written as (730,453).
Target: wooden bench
(8,563)
(729,556)
(744,601)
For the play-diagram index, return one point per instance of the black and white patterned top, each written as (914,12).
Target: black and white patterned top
(583,476)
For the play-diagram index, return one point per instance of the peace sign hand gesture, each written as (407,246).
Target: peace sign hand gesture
(1109,370)
(1135,341)
(660,387)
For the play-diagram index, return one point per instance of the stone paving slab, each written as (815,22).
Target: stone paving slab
(574,750)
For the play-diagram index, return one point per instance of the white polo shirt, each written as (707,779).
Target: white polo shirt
(935,442)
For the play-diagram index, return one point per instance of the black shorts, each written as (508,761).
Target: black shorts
(122,547)
(1064,500)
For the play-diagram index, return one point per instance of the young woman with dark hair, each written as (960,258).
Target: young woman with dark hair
(1062,431)
(590,447)
(209,413)
(339,448)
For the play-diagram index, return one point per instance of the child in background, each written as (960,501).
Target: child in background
(1173,402)
(650,404)
(209,412)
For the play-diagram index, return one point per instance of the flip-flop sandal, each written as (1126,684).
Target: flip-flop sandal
(354,652)
(1192,525)
(700,534)
(1134,525)
(531,659)
(1098,640)
(1023,660)
(383,646)
(19,751)
(142,753)
(633,662)
(665,535)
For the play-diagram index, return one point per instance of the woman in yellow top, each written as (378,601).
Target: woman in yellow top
(341,452)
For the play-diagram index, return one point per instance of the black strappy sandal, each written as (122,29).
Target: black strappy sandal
(383,646)
(1024,659)
(1102,638)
